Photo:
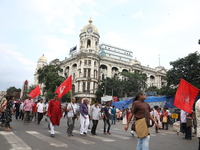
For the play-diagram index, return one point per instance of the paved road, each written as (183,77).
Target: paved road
(36,137)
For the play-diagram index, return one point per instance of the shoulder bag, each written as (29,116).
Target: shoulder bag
(75,116)
(141,127)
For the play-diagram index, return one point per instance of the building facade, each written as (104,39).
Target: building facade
(94,62)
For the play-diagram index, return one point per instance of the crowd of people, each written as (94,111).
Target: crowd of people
(90,114)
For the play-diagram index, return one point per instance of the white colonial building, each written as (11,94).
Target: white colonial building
(95,61)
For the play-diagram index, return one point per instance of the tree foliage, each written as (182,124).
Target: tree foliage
(133,82)
(128,83)
(13,89)
(49,76)
(187,68)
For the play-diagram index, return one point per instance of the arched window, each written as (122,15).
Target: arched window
(88,43)
(96,44)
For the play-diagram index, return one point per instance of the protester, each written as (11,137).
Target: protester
(65,111)
(194,121)
(127,113)
(17,111)
(165,119)
(21,112)
(46,112)
(34,112)
(40,110)
(8,113)
(197,113)
(71,116)
(156,116)
(95,116)
(84,117)
(54,113)
(113,112)
(3,108)
(106,117)
(124,119)
(187,130)
(141,110)
(27,108)
(118,114)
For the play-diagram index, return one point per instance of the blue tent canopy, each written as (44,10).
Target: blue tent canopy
(123,103)
(152,100)
(168,100)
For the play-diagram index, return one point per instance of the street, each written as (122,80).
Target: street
(36,137)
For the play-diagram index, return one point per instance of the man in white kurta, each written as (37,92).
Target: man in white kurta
(197,112)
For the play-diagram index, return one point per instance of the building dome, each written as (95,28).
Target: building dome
(90,28)
(42,58)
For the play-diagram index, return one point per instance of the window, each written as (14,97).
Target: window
(89,62)
(88,86)
(78,86)
(83,86)
(79,73)
(93,87)
(88,43)
(85,71)
(89,70)
(95,63)
(85,62)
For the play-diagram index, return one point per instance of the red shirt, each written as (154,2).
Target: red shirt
(34,109)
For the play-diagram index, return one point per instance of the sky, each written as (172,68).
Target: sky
(151,29)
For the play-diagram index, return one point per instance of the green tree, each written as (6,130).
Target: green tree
(13,89)
(166,90)
(129,84)
(187,68)
(133,82)
(49,76)
(152,89)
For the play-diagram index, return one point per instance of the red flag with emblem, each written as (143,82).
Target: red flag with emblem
(65,87)
(35,92)
(185,96)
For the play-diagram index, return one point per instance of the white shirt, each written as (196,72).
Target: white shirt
(40,107)
(95,112)
(21,106)
(71,112)
(183,116)
(197,112)
(47,105)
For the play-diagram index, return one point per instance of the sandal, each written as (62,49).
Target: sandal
(7,129)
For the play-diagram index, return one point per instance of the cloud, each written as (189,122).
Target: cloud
(67,31)
(178,19)
(137,14)
(57,47)
(16,68)
(9,52)
(119,2)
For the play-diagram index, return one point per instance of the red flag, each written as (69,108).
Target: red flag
(35,92)
(185,96)
(65,87)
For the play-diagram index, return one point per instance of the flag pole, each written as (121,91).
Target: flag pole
(71,94)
